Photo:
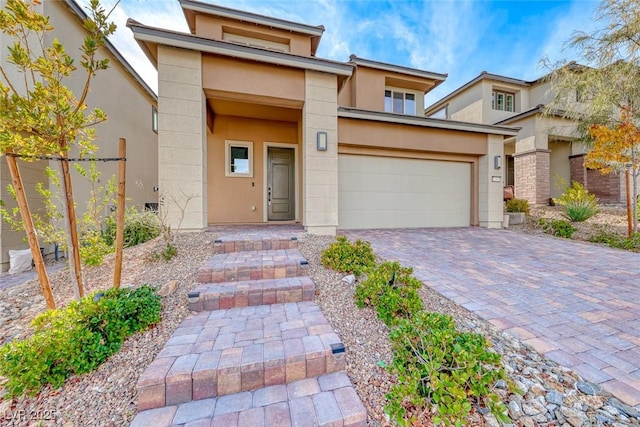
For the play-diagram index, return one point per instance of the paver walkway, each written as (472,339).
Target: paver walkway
(575,303)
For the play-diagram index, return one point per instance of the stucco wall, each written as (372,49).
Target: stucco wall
(225,206)
(467,106)
(490,212)
(182,138)
(560,167)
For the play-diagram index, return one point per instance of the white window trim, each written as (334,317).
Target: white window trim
(255,42)
(227,158)
(505,94)
(404,99)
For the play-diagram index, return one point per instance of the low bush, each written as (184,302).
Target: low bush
(391,290)
(76,339)
(93,248)
(559,227)
(517,205)
(347,257)
(441,373)
(617,241)
(579,205)
(139,227)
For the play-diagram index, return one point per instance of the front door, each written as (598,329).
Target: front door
(281,194)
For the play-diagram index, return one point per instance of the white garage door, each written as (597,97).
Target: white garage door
(384,192)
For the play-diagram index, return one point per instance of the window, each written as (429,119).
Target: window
(238,158)
(154,118)
(503,101)
(256,42)
(399,102)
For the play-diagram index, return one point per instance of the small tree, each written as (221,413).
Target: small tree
(603,96)
(40,117)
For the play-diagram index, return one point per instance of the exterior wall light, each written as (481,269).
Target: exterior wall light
(497,162)
(321,141)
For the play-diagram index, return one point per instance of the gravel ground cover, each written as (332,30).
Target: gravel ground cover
(553,396)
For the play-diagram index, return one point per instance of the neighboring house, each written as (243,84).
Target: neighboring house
(544,151)
(254,128)
(130,105)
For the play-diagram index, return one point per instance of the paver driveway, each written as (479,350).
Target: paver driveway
(578,304)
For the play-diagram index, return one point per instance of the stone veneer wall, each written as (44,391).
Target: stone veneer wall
(608,188)
(182,156)
(532,176)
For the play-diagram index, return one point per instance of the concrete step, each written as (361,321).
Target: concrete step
(253,265)
(225,245)
(241,349)
(214,296)
(327,400)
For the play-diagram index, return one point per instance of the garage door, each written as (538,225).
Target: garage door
(384,192)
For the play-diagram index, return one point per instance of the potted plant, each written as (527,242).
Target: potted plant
(516,209)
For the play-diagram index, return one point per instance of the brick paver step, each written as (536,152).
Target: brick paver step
(329,399)
(253,265)
(241,349)
(225,245)
(224,295)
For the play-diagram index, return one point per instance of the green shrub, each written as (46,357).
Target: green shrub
(167,254)
(441,371)
(348,257)
(139,227)
(93,248)
(575,193)
(615,240)
(559,227)
(517,205)
(579,205)
(76,339)
(391,290)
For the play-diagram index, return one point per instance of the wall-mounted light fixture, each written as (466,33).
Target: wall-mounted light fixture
(321,141)
(497,162)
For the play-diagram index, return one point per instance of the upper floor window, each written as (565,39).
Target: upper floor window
(503,101)
(399,102)
(256,42)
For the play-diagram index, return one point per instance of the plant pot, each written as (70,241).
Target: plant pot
(515,218)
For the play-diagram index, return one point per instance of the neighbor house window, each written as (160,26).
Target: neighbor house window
(239,158)
(503,101)
(154,118)
(399,102)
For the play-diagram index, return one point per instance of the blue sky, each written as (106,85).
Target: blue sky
(459,38)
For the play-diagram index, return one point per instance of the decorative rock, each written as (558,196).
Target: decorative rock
(589,388)
(515,411)
(501,384)
(168,288)
(573,417)
(555,398)
(349,280)
(490,420)
(624,408)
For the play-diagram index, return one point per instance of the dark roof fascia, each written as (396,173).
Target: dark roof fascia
(482,76)
(188,41)
(241,15)
(532,112)
(355,113)
(397,68)
(82,15)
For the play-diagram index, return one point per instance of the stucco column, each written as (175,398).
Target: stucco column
(182,148)
(490,212)
(320,168)
(532,176)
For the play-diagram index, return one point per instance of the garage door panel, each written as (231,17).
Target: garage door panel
(382,192)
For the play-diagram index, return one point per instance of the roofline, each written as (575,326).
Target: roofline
(397,68)
(212,9)
(482,76)
(532,112)
(354,113)
(82,15)
(188,41)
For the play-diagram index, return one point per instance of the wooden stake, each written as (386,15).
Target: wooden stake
(122,171)
(25,212)
(70,210)
(629,216)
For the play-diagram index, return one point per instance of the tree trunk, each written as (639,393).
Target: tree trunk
(70,214)
(122,170)
(25,212)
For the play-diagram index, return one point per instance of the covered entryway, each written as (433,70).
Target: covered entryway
(389,192)
(281,184)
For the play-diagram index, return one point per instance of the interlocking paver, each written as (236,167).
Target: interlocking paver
(255,265)
(568,295)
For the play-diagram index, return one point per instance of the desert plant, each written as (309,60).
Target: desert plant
(76,339)
(391,290)
(581,210)
(559,227)
(441,372)
(614,240)
(347,257)
(517,205)
(139,227)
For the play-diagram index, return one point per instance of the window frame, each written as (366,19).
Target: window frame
(390,96)
(228,145)
(500,100)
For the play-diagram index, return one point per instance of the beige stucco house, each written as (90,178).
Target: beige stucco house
(544,150)
(255,128)
(130,105)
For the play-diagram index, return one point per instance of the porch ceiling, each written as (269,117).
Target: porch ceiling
(254,110)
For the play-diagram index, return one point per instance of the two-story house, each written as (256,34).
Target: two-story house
(544,153)
(130,105)
(255,128)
